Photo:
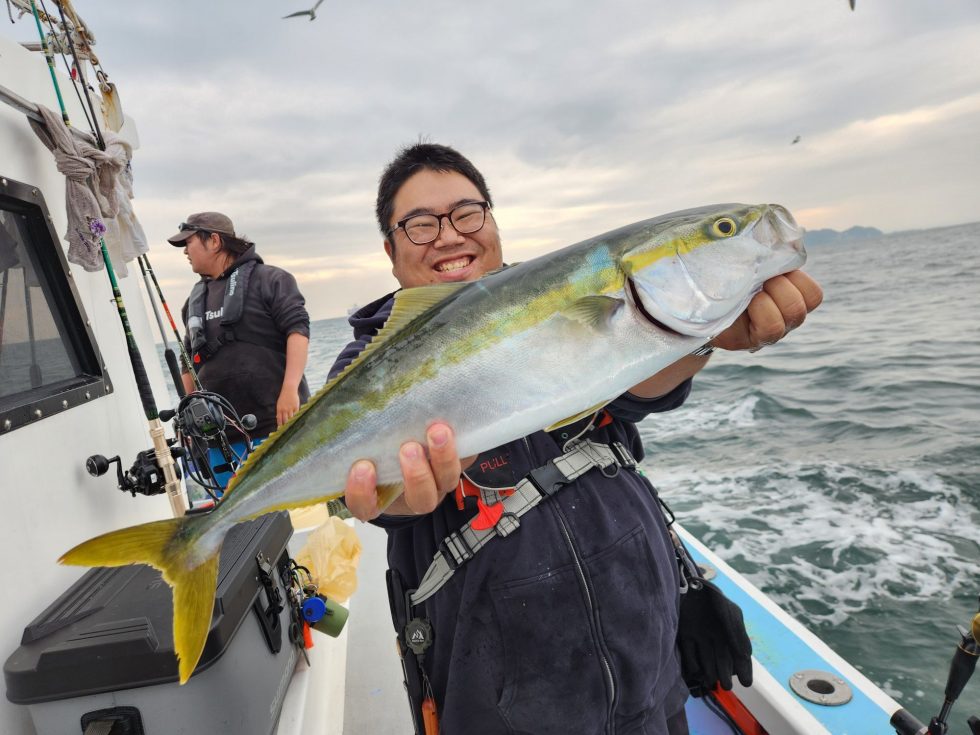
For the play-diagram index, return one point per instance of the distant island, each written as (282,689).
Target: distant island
(823,237)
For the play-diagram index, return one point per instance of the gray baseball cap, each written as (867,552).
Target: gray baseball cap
(203,221)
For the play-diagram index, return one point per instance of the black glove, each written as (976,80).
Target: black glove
(712,641)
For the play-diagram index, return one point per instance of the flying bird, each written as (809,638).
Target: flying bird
(311,12)
(795,140)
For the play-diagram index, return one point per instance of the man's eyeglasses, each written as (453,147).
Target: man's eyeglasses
(425,228)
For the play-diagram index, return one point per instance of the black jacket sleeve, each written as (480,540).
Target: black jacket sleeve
(285,303)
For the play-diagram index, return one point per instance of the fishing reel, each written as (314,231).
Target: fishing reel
(202,421)
(960,670)
(206,415)
(144,477)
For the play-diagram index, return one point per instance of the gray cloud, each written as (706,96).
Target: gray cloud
(584,116)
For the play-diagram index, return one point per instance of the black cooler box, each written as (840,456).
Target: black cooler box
(103,651)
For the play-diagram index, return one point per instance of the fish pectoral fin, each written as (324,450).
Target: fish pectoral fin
(193,604)
(593,311)
(576,417)
(387,494)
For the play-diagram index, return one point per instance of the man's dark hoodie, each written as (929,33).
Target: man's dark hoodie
(248,368)
(567,625)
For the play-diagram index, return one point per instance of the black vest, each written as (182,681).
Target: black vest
(233,306)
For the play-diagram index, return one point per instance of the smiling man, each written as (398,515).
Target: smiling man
(568,623)
(447,211)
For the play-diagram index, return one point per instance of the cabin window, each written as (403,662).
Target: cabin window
(48,358)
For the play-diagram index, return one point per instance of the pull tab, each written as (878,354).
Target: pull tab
(487,515)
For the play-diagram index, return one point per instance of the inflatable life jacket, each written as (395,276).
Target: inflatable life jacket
(233,306)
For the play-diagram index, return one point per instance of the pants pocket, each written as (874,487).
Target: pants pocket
(554,680)
(636,596)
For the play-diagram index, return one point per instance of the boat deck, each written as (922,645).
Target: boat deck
(375,700)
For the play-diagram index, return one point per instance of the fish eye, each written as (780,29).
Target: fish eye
(724,227)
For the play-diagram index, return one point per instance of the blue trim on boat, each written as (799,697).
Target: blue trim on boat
(783,653)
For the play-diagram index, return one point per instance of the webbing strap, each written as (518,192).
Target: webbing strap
(99,727)
(462,545)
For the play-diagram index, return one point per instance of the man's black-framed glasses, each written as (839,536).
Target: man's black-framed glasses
(422,229)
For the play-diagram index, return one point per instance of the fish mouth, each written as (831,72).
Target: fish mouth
(777,226)
(638,303)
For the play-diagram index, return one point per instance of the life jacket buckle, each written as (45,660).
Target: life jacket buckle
(508,523)
(455,550)
(548,479)
(624,455)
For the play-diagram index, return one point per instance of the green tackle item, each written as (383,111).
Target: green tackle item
(333,621)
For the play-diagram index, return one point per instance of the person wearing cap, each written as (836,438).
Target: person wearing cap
(248,331)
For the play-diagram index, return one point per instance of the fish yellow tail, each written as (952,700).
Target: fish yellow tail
(167,546)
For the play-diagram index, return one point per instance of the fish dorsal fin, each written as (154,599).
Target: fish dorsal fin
(409,304)
(576,417)
(593,311)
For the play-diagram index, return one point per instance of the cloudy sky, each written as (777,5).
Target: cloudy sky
(583,116)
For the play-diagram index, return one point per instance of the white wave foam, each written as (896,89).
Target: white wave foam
(826,541)
(700,417)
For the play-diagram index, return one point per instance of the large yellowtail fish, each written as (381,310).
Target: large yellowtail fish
(526,347)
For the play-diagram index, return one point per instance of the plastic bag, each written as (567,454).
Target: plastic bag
(331,553)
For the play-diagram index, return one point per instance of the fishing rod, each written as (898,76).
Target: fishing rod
(184,357)
(144,258)
(71,46)
(201,418)
(49,55)
(960,670)
(59,45)
(175,491)
(168,354)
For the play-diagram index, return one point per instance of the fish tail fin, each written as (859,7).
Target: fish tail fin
(162,545)
(147,543)
(193,605)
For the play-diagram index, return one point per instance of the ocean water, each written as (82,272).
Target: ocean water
(839,470)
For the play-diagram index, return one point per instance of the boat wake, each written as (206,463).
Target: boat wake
(829,540)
